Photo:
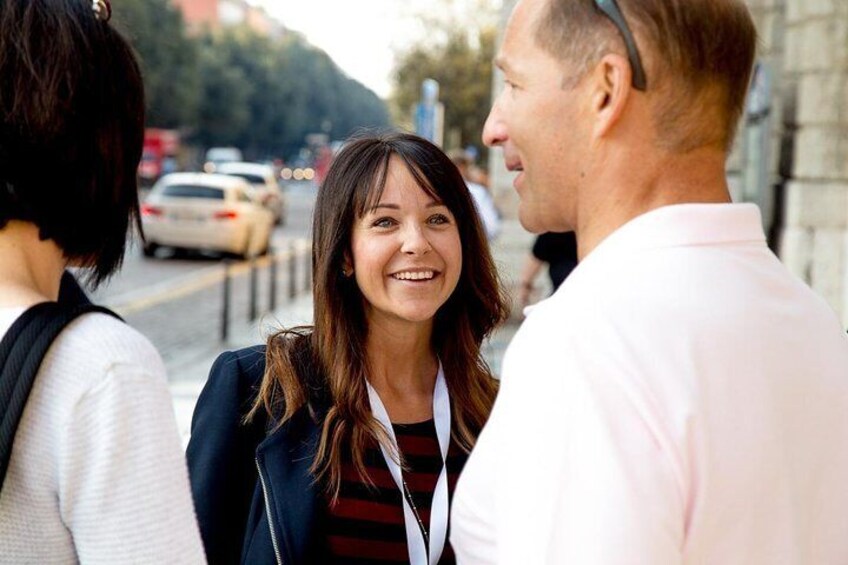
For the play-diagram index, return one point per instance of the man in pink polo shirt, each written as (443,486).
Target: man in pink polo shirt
(682,398)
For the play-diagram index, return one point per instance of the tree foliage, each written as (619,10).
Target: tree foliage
(236,87)
(462,64)
(168,59)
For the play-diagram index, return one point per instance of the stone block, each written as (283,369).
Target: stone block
(769,28)
(825,44)
(819,44)
(796,251)
(793,59)
(828,266)
(821,153)
(812,205)
(822,99)
(794,11)
(821,8)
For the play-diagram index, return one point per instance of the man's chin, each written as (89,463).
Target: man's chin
(535,222)
(530,221)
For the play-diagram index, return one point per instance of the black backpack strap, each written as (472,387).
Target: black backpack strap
(21,352)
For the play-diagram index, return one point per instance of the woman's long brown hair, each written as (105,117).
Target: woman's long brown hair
(331,354)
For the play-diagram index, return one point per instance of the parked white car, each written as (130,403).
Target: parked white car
(205,211)
(263,182)
(217,155)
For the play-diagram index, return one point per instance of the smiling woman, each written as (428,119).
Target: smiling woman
(405,252)
(373,410)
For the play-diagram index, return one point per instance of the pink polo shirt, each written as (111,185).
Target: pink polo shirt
(682,398)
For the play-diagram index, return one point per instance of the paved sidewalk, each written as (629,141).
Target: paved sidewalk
(188,371)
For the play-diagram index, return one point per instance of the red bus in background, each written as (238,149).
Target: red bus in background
(323,160)
(159,154)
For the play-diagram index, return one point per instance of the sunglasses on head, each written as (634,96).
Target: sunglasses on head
(611,10)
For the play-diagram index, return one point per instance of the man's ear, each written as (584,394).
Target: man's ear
(610,92)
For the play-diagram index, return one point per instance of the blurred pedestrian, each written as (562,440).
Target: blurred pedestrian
(483,201)
(558,251)
(682,398)
(341,442)
(96,473)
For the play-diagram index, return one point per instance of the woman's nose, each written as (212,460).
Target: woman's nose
(415,241)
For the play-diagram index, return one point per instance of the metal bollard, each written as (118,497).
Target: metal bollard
(292,272)
(272,283)
(225,309)
(307,269)
(251,314)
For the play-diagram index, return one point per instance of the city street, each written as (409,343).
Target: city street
(177,302)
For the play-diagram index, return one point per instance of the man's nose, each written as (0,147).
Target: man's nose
(494,131)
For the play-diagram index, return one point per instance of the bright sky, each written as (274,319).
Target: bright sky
(362,36)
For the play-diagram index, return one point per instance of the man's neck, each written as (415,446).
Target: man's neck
(625,192)
(30,269)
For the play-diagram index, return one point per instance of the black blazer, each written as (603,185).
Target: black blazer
(256,501)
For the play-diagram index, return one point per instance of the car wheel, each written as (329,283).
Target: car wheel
(245,252)
(149,249)
(266,247)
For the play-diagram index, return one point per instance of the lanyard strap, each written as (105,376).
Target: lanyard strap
(418,551)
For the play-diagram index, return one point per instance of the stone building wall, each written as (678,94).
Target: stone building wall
(815,238)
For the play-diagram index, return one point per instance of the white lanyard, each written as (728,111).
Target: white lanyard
(439,509)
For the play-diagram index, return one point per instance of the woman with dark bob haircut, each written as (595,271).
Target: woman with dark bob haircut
(96,472)
(341,442)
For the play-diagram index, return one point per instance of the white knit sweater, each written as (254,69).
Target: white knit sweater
(97,473)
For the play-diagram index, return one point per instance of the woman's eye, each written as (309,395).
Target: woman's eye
(383,223)
(438,219)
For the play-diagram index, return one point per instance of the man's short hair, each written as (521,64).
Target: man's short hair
(71,129)
(698,55)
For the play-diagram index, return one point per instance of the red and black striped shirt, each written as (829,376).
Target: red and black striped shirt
(366,524)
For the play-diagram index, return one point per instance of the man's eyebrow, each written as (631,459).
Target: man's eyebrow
(503,64)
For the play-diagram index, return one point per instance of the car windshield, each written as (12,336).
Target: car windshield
(252,179)
(193,191)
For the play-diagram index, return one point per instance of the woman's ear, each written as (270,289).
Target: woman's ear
(347,265)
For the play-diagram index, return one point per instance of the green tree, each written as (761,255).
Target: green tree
(462,64)
(265,96)
(237,87)
(168,59)
(225,92)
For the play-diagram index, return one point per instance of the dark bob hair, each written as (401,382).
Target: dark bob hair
(71,129)
(331,355)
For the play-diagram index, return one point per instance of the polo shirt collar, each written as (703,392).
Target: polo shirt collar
(686,225)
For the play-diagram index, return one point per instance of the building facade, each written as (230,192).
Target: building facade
(217,14)
(791,153)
